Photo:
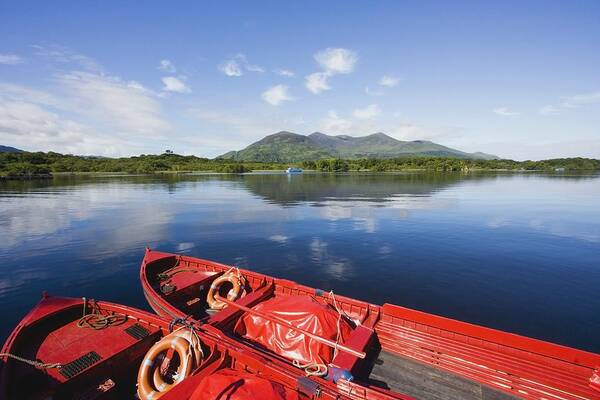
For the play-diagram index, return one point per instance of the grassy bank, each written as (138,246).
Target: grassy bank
(32,164)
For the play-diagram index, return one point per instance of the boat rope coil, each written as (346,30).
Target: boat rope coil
(34,363)
(152,377)
(236,279)
(174,270)
(311,369)
(96,320)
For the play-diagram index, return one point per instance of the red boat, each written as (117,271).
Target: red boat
(387,350)
(68,348)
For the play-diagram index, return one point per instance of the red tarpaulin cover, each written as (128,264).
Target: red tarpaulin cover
(303,312)
(228,384)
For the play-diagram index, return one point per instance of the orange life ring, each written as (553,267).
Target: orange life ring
(213,298)
(151,384)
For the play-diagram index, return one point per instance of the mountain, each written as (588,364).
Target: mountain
(291,147)
(8,149)
(280,147)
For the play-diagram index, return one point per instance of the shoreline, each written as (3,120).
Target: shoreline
(283,172)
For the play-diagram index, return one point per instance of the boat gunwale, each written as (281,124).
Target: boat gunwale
(260,364)
(503,338)
(564,359)
(469,330)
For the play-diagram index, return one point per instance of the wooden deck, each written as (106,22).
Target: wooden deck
(424,382)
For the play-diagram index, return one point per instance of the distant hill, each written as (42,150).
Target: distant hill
(292,147)
(8,149)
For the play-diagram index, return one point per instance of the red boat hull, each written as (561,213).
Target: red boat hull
(508,363)
(50,333)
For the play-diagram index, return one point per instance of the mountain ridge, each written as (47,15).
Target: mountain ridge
(285,146)
(8,149)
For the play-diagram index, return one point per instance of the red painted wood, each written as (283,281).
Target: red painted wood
(49,330)
(228,314)
(495,336)
(525,367)
(359,340)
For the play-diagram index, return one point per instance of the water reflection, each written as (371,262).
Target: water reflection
(517,252)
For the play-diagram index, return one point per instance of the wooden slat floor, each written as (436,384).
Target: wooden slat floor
(424,382)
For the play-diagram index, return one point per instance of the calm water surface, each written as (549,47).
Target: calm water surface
(516,252)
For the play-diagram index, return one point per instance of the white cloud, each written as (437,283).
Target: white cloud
(369,112)
(11,59)
(231,68)
(10,91)
(549,110)
(173,84)
(284,72)
(372,92)
(254,68)
(332,61)
(389,81)
(570,102)
(317,82)
(34,127)
(336,60)
(249,67)
(504,111)
(125,106)
(333,123)
(276,95)
(579,100)
(62,54)
(237,65)
(166,65)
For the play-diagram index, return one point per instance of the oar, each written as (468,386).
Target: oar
(280,321)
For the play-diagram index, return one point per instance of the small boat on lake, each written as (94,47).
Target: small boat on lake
(68,348)
(294,170)
(378,352)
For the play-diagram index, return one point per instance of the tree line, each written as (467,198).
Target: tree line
(39,163)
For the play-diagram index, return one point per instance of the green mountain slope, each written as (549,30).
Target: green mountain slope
(280,147)
(291,147)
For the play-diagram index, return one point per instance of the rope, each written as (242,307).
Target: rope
(239,274)
(186,324)
(311,369)
(169,273)
(339,321)
(240,277)
(193,334)
(36,364)
(163,276)
(97,321)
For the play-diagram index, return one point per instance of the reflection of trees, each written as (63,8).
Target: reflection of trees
(168,181)
(289,190)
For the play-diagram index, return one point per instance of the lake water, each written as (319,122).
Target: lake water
(517,252)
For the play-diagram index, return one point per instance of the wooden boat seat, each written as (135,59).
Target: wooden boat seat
(184,280)
(72,344)
(359,340)
(508,369)
(227,315)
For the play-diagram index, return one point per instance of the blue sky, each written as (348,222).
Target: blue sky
(516,79)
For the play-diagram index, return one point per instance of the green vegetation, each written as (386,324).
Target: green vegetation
(291,147)
(451,164)
(31,164)
(278,148)
(25,163)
